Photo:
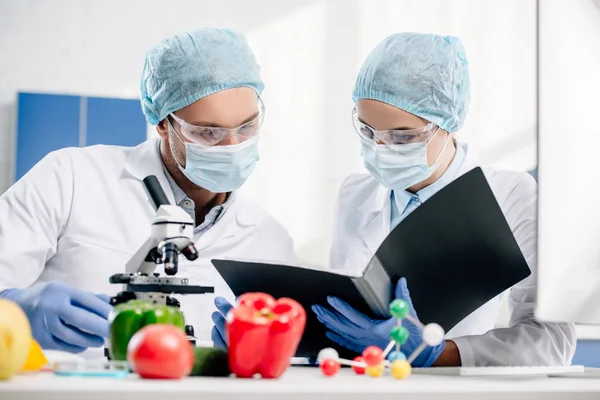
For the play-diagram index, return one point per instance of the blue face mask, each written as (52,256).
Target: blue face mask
(219,169)
(398,167)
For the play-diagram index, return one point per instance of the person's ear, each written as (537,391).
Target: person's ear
(163,129)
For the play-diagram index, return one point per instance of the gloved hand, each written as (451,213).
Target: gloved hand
(356,331)
(63,318)
(218,333)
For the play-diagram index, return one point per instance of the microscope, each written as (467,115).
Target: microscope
(171,237)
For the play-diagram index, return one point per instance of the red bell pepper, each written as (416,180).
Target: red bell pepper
(263,335)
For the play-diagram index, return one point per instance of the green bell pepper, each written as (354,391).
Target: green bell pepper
(126,319)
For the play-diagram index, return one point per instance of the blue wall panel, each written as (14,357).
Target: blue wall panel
(587,353)
(45,123)
(48,122)
(115,121)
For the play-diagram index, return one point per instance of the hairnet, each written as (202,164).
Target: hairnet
(423,74)
(187,67)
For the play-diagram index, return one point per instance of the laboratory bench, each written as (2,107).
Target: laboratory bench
(300,383)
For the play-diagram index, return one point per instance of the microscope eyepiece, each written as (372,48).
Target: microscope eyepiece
(155,191)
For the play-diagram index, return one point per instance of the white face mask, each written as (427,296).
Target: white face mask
(400,166)
(219,169)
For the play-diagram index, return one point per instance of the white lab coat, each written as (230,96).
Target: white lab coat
(362,222)
(81,213)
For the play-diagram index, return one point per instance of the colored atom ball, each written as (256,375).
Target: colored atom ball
(399,309)
(373,355)
(327,354)
(396,355)
(401,369)
(357,369)
(399,334)
(433,334)
(329,367)
(375,370)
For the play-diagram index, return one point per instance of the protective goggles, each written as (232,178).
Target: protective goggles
(391,137)
(213,136)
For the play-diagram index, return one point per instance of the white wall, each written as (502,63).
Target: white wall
(310,52)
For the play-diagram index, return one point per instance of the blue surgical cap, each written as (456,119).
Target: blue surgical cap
(187,67)
(423,74)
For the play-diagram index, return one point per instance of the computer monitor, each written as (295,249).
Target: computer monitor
(568,272)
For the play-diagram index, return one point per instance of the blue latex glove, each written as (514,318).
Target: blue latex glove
(218,334)
(355,331)
(63,318)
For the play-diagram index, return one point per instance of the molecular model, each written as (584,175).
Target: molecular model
(374,360)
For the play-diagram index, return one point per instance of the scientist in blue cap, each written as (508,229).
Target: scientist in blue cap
(80,214)
(412,95)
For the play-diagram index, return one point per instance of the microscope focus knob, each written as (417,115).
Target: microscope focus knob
(172,302)
(120,278)
(189,330)
(122,297)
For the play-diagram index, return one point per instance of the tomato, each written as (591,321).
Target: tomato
(160,351)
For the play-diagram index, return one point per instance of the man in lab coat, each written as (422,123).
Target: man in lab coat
(81,213)
(412,95)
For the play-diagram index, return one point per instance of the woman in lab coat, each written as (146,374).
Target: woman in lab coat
(80,214)
(412,95)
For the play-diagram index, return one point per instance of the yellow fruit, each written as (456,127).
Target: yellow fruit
(15,338)
(36,358)
(401,369)
(375,371)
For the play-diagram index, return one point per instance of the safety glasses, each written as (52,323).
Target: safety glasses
(214,136)
(392,137)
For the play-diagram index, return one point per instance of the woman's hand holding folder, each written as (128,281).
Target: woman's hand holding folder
(355,331)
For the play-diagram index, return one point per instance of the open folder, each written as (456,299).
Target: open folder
(456,252)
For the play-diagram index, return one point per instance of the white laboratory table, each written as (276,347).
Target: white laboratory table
(300,383)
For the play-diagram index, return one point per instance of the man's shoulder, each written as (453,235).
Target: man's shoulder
(91,161)
(95,153)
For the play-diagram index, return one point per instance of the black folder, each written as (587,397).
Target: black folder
(456,252)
